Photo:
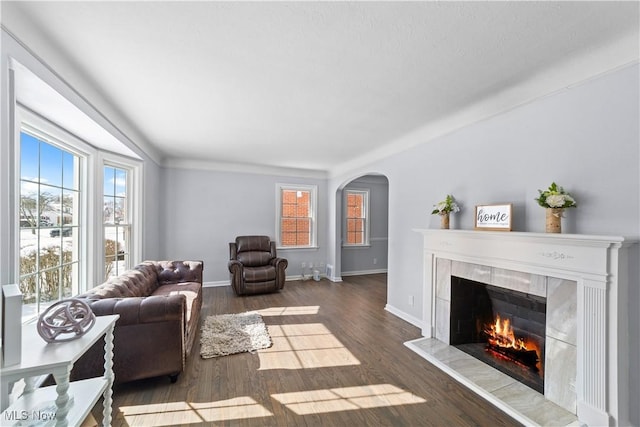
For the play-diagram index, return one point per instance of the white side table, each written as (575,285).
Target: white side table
(67,403)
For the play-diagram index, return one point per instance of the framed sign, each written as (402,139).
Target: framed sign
(493,217)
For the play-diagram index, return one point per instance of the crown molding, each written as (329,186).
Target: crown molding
(179,163)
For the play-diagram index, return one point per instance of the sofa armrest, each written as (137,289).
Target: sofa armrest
(139,310)
(179,271)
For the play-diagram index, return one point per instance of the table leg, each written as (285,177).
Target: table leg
(108,373)
(62,401)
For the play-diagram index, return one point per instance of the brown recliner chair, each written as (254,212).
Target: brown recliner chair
(254,265)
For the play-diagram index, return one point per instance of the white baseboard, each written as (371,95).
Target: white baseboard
(404,316)
(216,284)
(363,272)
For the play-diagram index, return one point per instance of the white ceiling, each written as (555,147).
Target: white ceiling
(321,85)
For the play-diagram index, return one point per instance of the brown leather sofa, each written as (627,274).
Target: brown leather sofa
(159,304)
(254,265)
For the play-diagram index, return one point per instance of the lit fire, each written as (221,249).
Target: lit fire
(501,334)
(502,341)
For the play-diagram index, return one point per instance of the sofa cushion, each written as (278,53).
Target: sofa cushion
(191,290)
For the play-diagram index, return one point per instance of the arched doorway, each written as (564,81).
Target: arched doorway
(363,225)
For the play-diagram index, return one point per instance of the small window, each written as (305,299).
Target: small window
(116,220)
(357,211)
(296,226)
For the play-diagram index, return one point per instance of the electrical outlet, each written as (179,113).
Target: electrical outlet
(375,261)
(304,265)
(411,300)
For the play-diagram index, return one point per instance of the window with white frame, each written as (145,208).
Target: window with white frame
(356,217)
(50,207)
(63,249)
(296,215)
(116,220)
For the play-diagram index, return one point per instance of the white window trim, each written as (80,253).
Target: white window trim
(92,177)
(59,137)
(367,240)
(24,74)
(313,189)
(135,205)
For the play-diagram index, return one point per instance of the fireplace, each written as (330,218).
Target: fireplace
(584,280)
(501,327)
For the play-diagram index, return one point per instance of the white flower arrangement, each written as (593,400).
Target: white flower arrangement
(446,206)
(555,197)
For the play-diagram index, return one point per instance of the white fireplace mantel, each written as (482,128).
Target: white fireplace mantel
(599,266)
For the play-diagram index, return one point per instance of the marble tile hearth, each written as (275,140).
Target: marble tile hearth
(519,401)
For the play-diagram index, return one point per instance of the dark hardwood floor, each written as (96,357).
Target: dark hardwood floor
(338,359)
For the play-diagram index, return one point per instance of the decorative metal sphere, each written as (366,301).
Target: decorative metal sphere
(69,316)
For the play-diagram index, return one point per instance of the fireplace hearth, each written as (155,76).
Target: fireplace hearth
(501,327)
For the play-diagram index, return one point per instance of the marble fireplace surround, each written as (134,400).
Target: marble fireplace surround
(560,334)
(584,279)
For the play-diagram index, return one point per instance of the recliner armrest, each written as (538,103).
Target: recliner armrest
(235,266)
(279,263)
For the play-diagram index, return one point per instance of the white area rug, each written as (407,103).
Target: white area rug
(226,334)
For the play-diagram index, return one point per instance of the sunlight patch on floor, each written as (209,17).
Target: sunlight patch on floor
(303,346)
(346,399)
(290,311)
(173,413)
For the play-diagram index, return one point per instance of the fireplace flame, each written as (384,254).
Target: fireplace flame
(500,334)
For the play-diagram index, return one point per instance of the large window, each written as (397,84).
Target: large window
(296,226)
(60,171)
(50,191)
(357,211)
(76,212)
(116,220)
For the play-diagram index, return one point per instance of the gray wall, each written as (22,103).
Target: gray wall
(152,222)
(372,258)
(204,210)
(585,138)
